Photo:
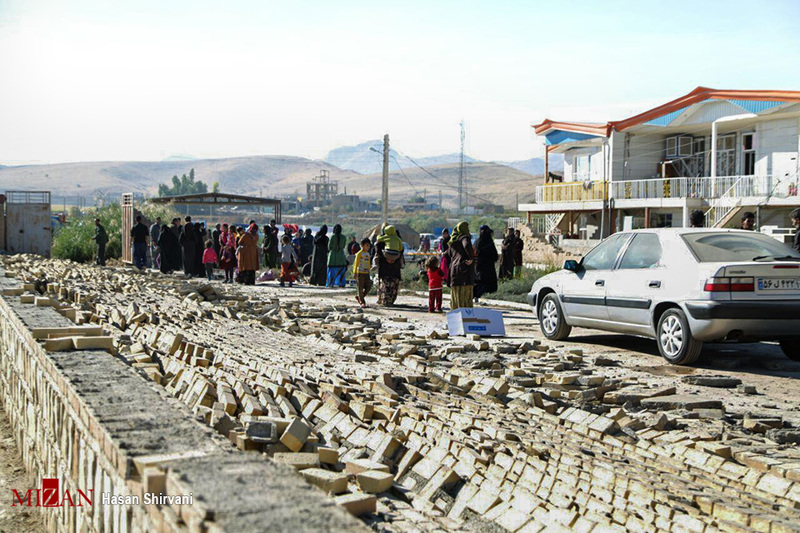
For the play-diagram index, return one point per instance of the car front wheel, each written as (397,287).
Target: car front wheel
(791,348)
(675,340)
(551,319)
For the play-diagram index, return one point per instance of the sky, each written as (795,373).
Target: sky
(115,80)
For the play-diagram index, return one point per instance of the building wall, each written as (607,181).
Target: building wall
(644,153)
(773,136)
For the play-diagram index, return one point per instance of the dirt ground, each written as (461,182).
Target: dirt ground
(13,476)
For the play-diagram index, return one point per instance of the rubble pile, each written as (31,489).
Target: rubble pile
(418,431)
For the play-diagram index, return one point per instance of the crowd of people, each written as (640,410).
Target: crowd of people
(470,270)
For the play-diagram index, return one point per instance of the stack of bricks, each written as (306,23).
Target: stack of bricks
(438,432)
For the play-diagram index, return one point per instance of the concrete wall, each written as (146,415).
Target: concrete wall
(644,154)
(94,423)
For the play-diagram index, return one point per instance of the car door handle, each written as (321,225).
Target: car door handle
(600,282)
(656,284)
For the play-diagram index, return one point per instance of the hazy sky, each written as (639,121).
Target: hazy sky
(110,80)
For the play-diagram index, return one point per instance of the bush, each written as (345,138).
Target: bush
(515,290)
(74,240)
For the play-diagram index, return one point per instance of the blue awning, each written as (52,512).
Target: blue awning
(561,136)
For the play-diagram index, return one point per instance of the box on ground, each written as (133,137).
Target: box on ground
(484,322)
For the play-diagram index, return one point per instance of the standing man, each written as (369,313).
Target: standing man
(139,234)
(796,224)
(155,233)
(215,238)
(697,219)
(749,221)
(101,238)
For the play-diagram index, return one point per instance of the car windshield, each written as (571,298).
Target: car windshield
(720,247)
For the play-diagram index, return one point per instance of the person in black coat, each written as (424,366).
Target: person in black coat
(796,223)
(508,250)
(170,250)
(319,260)
(485,259)
(199,249)
(215,238)
(188,241)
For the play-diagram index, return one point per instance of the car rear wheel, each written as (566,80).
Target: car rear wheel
(791,348)
(551,319)
(675,340)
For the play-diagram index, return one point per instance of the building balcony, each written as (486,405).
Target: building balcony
(700,188)
(579,191)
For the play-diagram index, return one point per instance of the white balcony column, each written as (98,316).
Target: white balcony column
(713,150)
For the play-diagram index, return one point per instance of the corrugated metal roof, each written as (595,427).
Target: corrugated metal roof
(756,106)
(559,137)
(666,120)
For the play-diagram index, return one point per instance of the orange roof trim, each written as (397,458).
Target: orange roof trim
(579,127)
(698,95)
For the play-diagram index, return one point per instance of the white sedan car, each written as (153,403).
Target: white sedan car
(679,286)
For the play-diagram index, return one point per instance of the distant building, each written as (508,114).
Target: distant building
(412,207)
(721,151)
(321,190)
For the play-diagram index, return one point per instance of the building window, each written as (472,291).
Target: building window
(726,155)
(660,220)
(583,168)
(748,154)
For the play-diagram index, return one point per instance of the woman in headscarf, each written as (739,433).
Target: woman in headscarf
(520,245)
(462,268)
(270,247)
(508,249)
(306,247)
(170,250)
(485,258)
(390,265)
(188,241)
(319,259)
(247,255)
(444,263)
(337,261)
(199,249)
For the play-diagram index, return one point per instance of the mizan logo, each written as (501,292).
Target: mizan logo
(50,496)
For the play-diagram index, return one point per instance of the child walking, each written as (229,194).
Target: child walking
(361,265)
(210,259)
(435,279)
(228,262)
(288,253)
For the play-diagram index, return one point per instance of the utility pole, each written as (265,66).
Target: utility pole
(385,195)
(461,174)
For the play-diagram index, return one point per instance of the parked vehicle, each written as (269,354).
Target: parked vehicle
(680,286)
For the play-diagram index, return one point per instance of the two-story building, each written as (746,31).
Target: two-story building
(723,152)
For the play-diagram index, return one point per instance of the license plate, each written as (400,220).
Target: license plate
(778,284)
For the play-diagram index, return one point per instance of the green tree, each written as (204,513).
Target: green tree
(183,185)
(215,187)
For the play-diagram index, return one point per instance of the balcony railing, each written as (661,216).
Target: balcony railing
(579,191)
(702,187)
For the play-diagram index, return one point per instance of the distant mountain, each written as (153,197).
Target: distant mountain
(180,157)
(364,161)
(272,175)
(535,166)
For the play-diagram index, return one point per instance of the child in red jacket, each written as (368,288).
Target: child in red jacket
(435,279)
(210,259)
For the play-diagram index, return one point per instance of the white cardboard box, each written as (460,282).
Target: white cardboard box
(484,322)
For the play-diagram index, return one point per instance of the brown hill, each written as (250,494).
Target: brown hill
(270,176)
(486,182)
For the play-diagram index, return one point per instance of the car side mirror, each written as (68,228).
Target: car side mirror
(572,265)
